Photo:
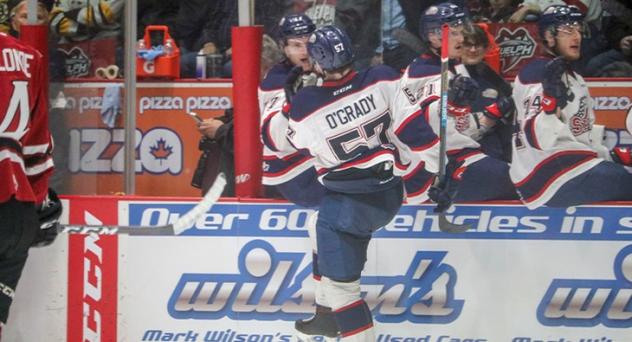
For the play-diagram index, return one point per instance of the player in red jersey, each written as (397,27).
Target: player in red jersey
(28,210)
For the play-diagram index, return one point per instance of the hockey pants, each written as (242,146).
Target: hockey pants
(18,225)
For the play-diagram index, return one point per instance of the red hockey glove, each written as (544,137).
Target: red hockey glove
(502,109)
(622,155)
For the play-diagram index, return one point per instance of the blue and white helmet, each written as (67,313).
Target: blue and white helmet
(295,25)
(556,15)
(435,16)
(330,47)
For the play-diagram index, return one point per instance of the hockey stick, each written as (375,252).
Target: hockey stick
(445,225)
(175,228)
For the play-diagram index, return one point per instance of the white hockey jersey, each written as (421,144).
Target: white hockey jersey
(347,124)
(549,151)
(419,95)
(281,161)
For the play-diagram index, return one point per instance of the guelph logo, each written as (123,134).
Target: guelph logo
(77,62)
(515,46)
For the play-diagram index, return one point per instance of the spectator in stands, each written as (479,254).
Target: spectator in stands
(395,50)
(217,156)
(271,54)
(357,19)
(619,28)
(501,10)
(530,10)
(157,12)
(75,21)
(4,16)
(204,26)
(18,14)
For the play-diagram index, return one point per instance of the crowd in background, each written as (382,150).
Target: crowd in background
(204,27)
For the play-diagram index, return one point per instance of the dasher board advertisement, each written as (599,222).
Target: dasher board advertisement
(242,272)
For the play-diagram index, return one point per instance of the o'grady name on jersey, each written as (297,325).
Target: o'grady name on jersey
(351,112)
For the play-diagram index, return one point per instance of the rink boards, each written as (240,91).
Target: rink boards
(243,273)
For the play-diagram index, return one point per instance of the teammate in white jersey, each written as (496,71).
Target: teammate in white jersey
(472,175)
(345,124)
(290,172)
(558,156)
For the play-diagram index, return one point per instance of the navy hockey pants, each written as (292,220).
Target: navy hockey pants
(486,179)
(605,182)
(344,227)
(18,226)
(304,190)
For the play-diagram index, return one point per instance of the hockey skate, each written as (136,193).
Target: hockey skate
(321,324)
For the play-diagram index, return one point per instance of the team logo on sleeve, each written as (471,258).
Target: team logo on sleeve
(515,45)
(580,122)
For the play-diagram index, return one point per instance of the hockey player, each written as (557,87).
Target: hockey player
(471,174)
(345,124)
(558,156)
(292,173)
(28,211)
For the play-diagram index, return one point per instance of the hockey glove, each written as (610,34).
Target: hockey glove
(48,216)
(554,89)
(502,109)
(441,196)
(622,155)
(446,191)
(290,82)
(462,92)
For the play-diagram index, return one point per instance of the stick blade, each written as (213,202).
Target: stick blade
(449,227)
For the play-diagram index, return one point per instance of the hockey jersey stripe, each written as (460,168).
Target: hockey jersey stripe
(276,167)
(9,143)
(286,173)
(464,154)
(547,171)
(39,168)
(530,132)
(35,149)
(374,157)
(11,156)
(415,131)
(266,137)
(417,183)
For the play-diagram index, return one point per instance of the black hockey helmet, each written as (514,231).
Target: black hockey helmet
(557,15)
(437,15)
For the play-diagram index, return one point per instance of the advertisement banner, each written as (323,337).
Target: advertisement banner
(93,272)
(243,273)
(166,137)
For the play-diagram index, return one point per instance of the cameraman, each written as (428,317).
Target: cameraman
(217,156)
